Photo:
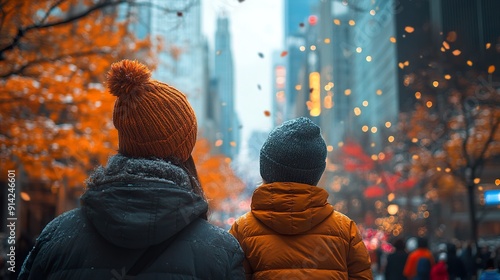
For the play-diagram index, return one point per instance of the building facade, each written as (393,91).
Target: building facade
(182,62)
(229,124)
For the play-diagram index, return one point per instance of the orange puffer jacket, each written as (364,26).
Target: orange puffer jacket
(292,232)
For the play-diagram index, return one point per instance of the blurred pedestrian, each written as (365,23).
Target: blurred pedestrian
(456,267)
(441,248)
(420,261)
(468,260)
(497,258)
(292,232)
(440,270)
(490,272)
(144,213)
(396,262)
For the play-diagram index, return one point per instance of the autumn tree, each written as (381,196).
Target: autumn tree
(53,105)
(369,183)
(217,178)
(453,131)
(55,112)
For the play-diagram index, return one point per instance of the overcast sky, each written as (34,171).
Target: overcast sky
(256,27)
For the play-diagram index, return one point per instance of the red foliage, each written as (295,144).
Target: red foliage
(374,191)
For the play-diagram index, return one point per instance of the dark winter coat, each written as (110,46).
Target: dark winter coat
(456,266)
(395,265)
(130,205)
(292,232)
(468,261)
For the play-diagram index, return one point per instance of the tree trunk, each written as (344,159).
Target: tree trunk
(472,213)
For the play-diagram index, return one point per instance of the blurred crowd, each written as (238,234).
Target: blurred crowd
(416,258)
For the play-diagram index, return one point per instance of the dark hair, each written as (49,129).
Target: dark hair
(490,263)
(422,242)
(399,244)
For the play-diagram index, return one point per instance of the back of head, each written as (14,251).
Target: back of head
(399,244)
(294,152)
(422,242)
(153,119)
(451,249)
(490,263)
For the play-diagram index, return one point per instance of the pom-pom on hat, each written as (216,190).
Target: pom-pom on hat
(153,119)
(294,152)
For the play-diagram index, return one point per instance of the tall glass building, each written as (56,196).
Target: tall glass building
(182,61)
(374,90)
(228,134)
(295,15)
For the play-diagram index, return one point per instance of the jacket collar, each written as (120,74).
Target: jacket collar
(290,208)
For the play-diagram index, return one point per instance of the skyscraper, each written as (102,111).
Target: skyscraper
(470,27)
(374,90)
(296,14)
(347,78)
(228,135)
(182,61)
(279,83)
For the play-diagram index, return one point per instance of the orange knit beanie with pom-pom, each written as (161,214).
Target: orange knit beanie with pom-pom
(153,119)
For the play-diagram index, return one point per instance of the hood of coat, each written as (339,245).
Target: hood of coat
(135,203)
(290,208)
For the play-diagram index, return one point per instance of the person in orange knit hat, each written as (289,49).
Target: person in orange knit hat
(292,232)
(144,213)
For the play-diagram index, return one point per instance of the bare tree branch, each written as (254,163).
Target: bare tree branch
(11,100)
(466,130)
(21,32)
(21,69)
(495,124)
(51,9)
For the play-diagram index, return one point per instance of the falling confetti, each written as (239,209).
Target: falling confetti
(456,52)
(261,55)
(259,87)
(267,113)
(491,69)
(311,90)
(241,1)
(179,14)
(301,24)
(451,36)
(409,29)
(283,53)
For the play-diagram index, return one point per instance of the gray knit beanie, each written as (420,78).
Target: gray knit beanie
(293,152)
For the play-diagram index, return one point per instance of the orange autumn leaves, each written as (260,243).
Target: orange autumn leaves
(53,104)
(55,111)
(466,134)
(216,176)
